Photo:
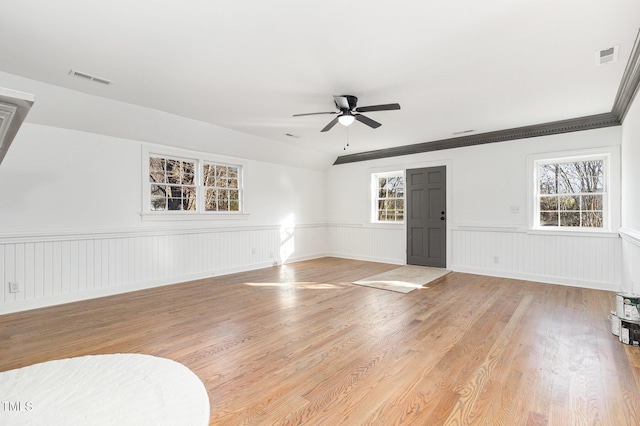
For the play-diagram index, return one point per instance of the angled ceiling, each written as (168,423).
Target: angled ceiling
(249,66)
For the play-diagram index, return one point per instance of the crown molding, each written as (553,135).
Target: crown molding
(629,83)
(557,127)
(627,91)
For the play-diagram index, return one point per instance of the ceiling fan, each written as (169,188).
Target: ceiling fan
(346,105)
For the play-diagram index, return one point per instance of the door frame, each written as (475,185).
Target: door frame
(448,164)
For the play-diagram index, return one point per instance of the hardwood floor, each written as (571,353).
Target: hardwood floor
(299,344)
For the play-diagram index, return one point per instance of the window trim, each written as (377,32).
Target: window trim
(611,206)
(374,197)
(199,158)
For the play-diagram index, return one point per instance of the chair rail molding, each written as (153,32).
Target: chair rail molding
(630,235)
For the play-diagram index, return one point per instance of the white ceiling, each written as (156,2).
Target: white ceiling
(250,65)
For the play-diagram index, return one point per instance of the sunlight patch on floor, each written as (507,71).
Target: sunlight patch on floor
(302,285)
(393,284)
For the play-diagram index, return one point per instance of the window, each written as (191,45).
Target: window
(388,199)
(222,190)
(571,193)
(173,184)
(192,185)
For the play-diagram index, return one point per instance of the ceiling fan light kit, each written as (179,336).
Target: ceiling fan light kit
(346,104)
(346,119)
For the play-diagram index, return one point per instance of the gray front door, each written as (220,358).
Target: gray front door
(426,217)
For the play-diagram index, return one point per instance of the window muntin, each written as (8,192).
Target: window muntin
(571,193)
(192,185)
(221,187)
(172,184)
(389,197)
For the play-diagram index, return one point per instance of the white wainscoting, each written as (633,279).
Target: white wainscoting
(64,267)
(578,259)
(631,260)
(375,243)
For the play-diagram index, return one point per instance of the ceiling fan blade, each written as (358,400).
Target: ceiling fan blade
(315,113)
(366,120)
(330,125)
(342,102)
(385,107)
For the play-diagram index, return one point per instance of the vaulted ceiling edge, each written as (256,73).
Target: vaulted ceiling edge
(629,84)
(627,91)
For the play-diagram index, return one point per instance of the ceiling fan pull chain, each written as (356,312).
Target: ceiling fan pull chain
(345,148)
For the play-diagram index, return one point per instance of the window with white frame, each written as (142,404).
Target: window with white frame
(388,197)
(192,185)
(571,193)
(221,187)
(172,184)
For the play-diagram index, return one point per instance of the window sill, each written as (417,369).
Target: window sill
(162,216)
(385,225)
(574,233)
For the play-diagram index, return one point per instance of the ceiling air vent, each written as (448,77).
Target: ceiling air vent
(14,107)
(606,56)
(90,77)
(462,132)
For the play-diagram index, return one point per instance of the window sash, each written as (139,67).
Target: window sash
(191,185)
(571,193)
(388,197)
(221,187)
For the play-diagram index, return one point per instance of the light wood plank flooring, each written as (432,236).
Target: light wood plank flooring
(298,344)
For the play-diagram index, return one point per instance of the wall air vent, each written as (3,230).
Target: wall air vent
(90,77)
(606,56)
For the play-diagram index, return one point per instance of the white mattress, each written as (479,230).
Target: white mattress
(118,389)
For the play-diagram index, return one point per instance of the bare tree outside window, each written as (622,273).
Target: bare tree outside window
(390,197)
(222,188)
(172,184)
(572,194)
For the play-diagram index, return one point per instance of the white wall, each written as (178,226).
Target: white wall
(488,214)
(70,223)
(71,198)
(69,109)
(630,230)
(70,202)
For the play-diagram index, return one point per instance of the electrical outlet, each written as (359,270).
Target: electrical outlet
(14,287)
(496,259)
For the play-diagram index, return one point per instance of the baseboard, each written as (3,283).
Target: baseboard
(26,305)
(391,261)
(294,259)
(545,279)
